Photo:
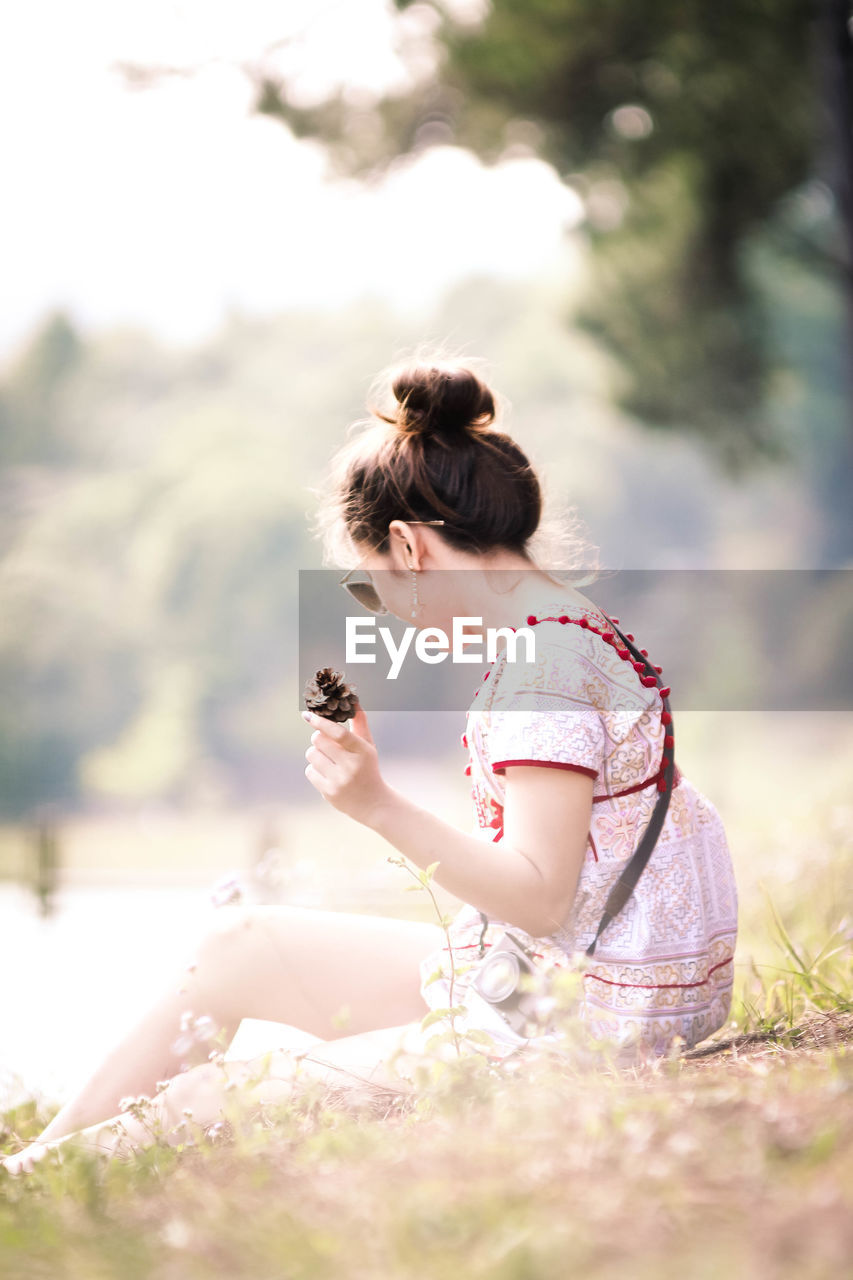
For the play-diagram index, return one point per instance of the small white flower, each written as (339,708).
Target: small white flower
(227,890)
(205,1027)
(545,1005)
(176,1233)
(272,868)
(182,1045)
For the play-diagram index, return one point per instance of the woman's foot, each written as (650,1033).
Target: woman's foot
(24,1161)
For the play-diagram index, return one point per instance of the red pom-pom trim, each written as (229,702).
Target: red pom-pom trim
(607,635)
(486,676)
(658,670)
(563,618)
(648,681)
(628,635)
(615,620)
(531,621)
(468,770)
(638,666)
(644,652)
(665,691)
(666,718)
(584,622)
(668,742)
(465,739)
(661,784)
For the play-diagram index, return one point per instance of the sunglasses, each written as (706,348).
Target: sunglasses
(365,593)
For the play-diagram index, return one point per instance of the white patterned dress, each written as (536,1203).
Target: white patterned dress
(663,968)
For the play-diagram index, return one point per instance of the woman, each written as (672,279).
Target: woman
(565,759)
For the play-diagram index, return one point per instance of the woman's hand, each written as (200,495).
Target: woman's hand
(343,765)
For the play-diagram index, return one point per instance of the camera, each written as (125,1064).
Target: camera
(498,979)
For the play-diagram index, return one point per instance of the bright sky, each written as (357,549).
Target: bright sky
(167,207)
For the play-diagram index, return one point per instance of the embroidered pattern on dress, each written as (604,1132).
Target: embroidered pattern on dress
(664,966)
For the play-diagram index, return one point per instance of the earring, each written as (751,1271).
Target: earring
(414,592)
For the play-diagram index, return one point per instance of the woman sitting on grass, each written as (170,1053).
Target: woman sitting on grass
(566,754)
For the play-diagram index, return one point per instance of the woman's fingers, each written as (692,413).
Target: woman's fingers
(316,752)
(343,765)
(360,726)
(338,733)
(311,757)
(330,748)
(316,779)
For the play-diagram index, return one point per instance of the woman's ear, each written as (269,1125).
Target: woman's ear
(403,544)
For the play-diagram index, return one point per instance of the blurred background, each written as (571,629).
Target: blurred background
(220,222)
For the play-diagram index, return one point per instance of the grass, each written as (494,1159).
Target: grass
(740,1165)
(734,1159)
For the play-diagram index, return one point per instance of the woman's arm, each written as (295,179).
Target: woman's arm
(528,879)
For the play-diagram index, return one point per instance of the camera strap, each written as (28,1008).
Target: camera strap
(633,869)
(631,872)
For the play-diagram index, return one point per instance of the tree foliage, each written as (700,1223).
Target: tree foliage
(684,126)
(154,504)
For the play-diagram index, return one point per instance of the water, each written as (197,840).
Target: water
(72,984)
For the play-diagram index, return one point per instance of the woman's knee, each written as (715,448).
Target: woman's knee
(212,1091)
(192,1092)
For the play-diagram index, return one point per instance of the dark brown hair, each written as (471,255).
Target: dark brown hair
(435,454)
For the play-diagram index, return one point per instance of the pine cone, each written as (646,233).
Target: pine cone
(329,695)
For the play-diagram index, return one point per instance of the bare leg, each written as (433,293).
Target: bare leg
(235,1090)
(198,1097)
(285,964)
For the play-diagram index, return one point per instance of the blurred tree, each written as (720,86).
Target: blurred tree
(31,421)
(682,125)
(149,566)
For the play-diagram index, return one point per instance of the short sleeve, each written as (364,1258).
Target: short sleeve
(545,712)
(568,737)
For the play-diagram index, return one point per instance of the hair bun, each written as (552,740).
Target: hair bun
(441,400)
